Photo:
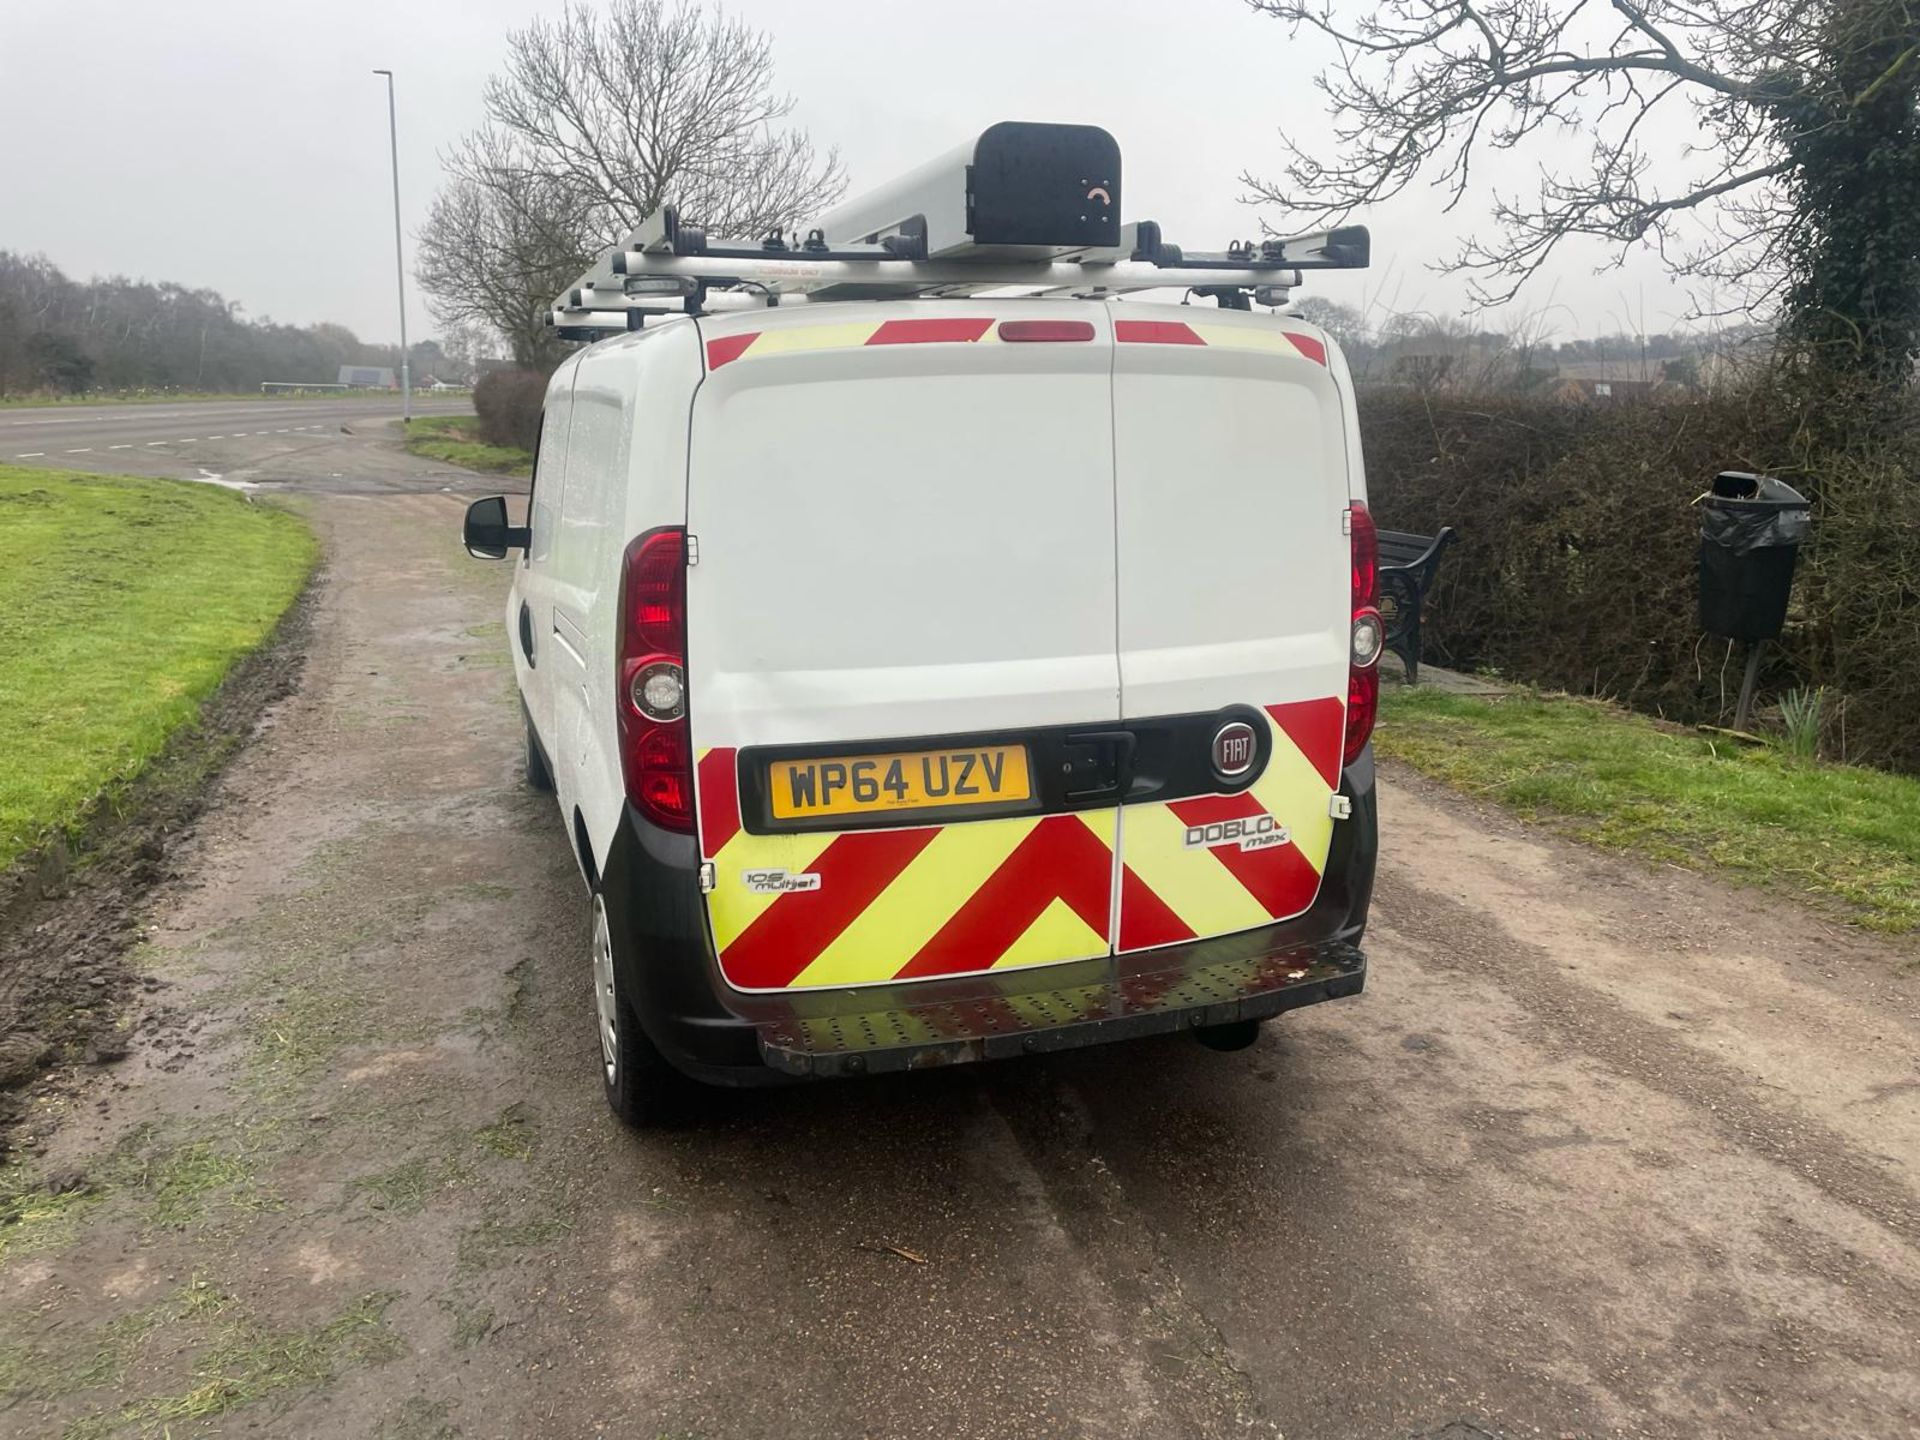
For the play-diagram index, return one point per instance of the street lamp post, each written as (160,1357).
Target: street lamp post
(399,256)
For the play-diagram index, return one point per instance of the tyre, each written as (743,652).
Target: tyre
(1234,1035)
(642,1088)
(538,775)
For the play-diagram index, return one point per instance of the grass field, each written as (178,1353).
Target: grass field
(451,438)
(122,604)
(1837,833)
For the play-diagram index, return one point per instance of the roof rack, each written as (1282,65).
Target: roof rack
(1026,207)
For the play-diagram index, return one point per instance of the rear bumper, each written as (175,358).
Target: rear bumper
(719,1035)
(1053,1007)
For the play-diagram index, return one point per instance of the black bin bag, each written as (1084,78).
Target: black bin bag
(1751,530)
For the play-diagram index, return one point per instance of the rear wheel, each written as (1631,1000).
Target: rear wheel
(538,775)
(641,1087)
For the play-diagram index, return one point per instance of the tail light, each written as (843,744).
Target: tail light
(656,755)
(1368,633)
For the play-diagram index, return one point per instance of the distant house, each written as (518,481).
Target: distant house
(1452,362)
(1632,370)
(368,377)
(1571,387)
(1623,379)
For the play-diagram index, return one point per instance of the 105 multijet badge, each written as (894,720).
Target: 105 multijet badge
(779,882)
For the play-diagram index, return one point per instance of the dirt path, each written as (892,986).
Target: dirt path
(1601,1151)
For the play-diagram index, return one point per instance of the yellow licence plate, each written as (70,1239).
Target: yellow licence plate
(912,780)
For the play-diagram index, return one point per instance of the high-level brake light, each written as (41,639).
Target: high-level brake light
(1031,331)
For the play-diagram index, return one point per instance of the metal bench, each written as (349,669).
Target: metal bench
(1408,564)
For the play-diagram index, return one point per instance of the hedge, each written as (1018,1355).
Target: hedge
(508,403)
(1576,559)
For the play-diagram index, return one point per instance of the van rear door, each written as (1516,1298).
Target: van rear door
(902,642)
(1231,490)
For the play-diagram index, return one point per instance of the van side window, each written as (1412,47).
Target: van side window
(549,470)
(533,476)
(598,445)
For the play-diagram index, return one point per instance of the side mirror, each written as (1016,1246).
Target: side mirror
(488,535)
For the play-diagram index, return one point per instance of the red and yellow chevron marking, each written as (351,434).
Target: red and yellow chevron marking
(788,339)
(1272,339)
(973,330)
(979,895)
(902,904)
(1170,892)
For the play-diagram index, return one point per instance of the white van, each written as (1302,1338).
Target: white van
(929,680)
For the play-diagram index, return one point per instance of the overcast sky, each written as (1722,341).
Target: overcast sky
(242,145)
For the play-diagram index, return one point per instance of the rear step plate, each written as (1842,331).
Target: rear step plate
(875,1029)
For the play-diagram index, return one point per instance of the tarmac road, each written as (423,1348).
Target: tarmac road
(84,436)
(1603,1150)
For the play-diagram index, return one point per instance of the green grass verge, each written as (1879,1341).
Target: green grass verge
(123,603)
(451,438)
(1836,833)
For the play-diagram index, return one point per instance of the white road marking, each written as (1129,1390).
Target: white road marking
(82,450)
(159,442)
(120,447)
(208,477)
(29,454)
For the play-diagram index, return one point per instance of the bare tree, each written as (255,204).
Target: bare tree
(598,118)
(466,346)
(1807,191)
(1342,320)
(501,240)
(59,334)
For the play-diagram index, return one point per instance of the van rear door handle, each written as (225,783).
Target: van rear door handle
(1099,764)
